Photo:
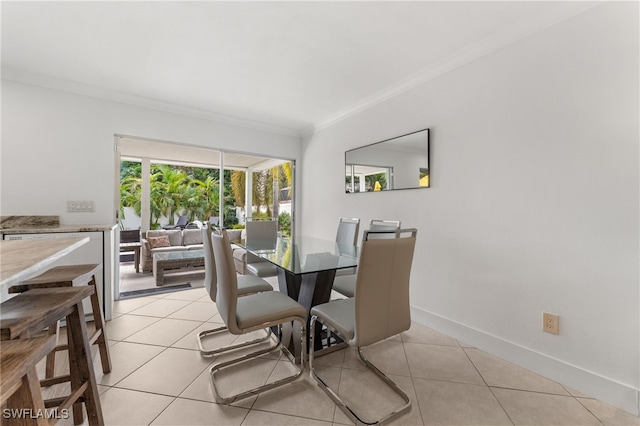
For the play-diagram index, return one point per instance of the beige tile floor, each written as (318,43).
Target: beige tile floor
(159,378)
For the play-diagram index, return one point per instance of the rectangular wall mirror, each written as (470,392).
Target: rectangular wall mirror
(398,163)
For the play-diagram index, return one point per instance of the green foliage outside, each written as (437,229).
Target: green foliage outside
(195,192)
(284,223)
(262,191)
(176,190)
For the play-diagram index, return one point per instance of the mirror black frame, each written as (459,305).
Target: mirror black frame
(387,170)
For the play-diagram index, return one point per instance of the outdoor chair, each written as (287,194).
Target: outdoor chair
(379,309)
(180,223)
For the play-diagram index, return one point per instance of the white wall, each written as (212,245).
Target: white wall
(534,199)
(58,146)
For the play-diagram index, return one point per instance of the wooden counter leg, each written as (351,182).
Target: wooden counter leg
(28,395)
(98,320)
(79,345)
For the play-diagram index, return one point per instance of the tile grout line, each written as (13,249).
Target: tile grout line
(413,384)
(488,387)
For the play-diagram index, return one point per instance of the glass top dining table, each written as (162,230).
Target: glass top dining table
(306,269)
(304,255)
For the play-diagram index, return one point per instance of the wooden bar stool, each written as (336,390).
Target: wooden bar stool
(19,381)
(68,276)
(29,313)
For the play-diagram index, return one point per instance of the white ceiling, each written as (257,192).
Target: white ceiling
(287,66)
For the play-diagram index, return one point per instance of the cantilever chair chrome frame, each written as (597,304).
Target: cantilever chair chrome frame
(247,284)
(380,309)
(250,313)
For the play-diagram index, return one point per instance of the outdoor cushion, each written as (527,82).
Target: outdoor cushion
(156,233)
(163,241)
(169,249)
(175,235)
(191,236)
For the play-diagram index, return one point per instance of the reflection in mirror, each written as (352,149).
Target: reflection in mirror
(397,163)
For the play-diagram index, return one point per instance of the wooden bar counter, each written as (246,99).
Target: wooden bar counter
(33,310)
(21,259)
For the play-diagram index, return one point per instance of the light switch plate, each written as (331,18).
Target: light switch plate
(79,206)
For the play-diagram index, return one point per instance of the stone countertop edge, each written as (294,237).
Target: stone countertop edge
(61,228)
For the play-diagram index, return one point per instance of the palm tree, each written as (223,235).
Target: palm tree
(265,187)
(172,182)
(130,193)
(202,198)
(237,187)
(263,182)
(287,172)
(156,200)
(196,191)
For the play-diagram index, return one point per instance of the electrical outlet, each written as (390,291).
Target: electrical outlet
(79,206)
(550,323)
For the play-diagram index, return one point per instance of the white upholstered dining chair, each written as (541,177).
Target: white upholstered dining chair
(379,309)
(261,234)
(348,231)
(347,236)
(345,283)
(249,313)
(247,284)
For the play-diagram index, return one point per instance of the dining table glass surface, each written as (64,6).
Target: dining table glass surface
(304,255)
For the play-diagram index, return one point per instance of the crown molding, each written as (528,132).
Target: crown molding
(464,56)
(75,88)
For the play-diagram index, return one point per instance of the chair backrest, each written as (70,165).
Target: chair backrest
(387,228)
(261,234)
(382,287)
(348,229)
(227,295)
(210,274)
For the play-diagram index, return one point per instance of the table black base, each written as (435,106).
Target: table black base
(309,290)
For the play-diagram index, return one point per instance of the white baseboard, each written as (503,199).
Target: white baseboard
(594,385)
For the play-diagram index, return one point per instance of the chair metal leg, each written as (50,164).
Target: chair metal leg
(210,352)
(277,345)
(339,402)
